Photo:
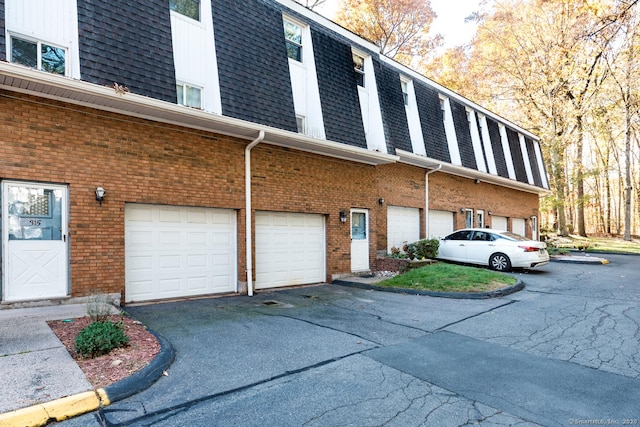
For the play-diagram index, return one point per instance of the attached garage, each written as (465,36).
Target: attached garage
(176,251)
(440,223)
(499,222)
(518,225)
(290,249)
(403,225)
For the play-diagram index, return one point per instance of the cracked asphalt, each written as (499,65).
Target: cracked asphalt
(564,351)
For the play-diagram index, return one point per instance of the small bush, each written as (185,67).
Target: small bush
(426,248)
(100,338)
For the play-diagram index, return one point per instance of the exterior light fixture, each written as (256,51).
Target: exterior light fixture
(100,194)
(461,210)
(381,201)
(477,181)
(343,216)
(489,213)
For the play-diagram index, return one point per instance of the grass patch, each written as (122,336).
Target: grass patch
(597,244)
(443,277)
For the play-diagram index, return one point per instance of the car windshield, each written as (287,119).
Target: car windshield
(511,236)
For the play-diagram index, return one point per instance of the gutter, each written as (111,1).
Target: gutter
(248,228)
(426,198)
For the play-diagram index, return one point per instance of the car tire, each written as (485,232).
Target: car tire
(500,262)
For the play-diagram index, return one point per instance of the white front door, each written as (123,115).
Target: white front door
(34,241)
(359,240)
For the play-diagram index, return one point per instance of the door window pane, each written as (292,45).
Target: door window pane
(34,213)
(358,225)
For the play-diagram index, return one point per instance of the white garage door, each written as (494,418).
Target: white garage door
(440,223)
(499,222)
(174,251)
(403,225)
(518,226)
(290,249)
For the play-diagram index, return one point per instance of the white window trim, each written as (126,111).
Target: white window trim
(363,73)
(39,43)
(450,131)
(486,142)
(475,139)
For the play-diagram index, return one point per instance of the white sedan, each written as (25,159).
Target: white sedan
(500,250)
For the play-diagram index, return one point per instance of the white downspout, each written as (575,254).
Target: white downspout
(426,198)
(247,189)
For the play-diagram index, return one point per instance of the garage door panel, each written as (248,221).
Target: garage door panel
(440,223)
(403,225)
(178,251)
(289,249)
(499,222)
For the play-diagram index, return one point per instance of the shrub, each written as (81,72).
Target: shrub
(425,248)
(100,338)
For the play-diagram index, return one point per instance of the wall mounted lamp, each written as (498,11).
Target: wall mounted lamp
(462,210)
(489,213)
(100,195)
(381,201)
(477,181)
(343,216)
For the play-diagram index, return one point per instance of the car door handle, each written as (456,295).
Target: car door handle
(461,244)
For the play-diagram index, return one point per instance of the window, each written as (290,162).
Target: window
(405,91)
(189,8)
(38,55)
(301,123)
(190,96)
(358,67)
(293,37)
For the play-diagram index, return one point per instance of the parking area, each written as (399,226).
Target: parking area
(563,351)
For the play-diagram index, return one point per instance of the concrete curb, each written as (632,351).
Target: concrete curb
(519,285)
(81,403)
(582,260)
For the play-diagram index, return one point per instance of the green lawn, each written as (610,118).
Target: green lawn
(443,277)
(598,244)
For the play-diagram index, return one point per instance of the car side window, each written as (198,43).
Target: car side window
(460,235)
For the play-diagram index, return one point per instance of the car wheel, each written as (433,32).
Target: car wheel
(500,262)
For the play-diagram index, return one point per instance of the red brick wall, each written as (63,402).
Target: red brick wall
(451,193)
(147,162)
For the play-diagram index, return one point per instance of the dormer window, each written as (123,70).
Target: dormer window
(293,38)
(358,67)
(405,91)
(188,95)
(39,55)
(188,8)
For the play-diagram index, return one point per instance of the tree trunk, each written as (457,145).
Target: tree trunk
(580,180)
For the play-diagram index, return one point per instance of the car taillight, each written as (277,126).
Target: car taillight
(529,248)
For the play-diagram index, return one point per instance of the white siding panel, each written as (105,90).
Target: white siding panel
(194,54)
(47,21)
(507,152)
(525,157)
(450,131)
(413,120)
(475,138)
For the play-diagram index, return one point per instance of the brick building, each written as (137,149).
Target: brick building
(240,146)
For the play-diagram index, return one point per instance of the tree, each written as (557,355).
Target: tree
(400,28)
(541,63)
(310,4)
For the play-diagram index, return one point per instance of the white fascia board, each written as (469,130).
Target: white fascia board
(448,92)
(21,79)
(464,172)
(329,24)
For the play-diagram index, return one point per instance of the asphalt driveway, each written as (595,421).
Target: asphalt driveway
(562,352)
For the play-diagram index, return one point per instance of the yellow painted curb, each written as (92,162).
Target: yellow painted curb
(605,261)
(56,410)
